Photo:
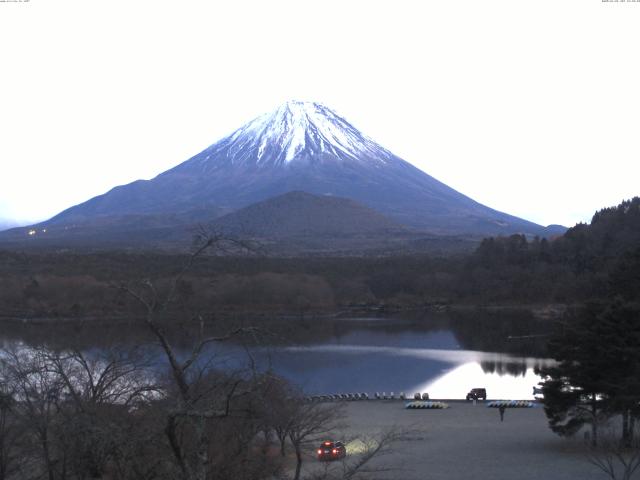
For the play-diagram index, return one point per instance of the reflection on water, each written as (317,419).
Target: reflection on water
(443,373)
(442,356)
(456,382)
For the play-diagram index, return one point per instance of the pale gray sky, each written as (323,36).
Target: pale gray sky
(530,107)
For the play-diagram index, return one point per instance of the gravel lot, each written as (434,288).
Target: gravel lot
(467,441)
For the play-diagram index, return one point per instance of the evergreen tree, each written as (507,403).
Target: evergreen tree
(573,388)
(598,370)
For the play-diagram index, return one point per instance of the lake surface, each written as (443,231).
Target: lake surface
(370,360)
(445,359)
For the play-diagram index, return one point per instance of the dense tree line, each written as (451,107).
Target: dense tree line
(569,269)
(596,381)
(572,268)
(598,374)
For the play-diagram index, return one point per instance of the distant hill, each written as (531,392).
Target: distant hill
(552,231)
(301,214)
(613,232)
(298,222)
(7,224)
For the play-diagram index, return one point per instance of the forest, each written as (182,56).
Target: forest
(583,264)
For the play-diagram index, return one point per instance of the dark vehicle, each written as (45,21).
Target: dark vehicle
(331,451)
(477,394)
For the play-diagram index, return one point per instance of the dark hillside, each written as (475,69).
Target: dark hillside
(578,265)
(302,214)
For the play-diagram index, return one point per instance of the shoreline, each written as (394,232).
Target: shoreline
(377,311)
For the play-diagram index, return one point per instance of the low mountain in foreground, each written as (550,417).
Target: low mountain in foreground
(302,222)
(300,214)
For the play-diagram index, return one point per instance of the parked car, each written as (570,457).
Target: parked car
(330,450)
(477,394)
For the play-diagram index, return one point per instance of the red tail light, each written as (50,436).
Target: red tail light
(319,452)
(334,451)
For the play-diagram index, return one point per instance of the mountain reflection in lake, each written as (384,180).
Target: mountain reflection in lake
(458,381)
(383,356)
(443,373)
(376,355)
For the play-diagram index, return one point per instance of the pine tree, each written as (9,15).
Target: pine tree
(598,369)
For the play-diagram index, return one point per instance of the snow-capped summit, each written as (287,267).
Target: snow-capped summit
(297,130)
(300,146)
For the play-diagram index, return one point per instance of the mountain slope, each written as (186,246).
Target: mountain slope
(303,146)
(299,223)
(300,146)
(300,214)
(5,224)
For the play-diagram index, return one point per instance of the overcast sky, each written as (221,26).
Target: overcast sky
(530,107)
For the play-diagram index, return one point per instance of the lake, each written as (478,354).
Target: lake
(445,357)
(372,358)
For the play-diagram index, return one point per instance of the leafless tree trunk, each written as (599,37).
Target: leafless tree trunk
(190,409)
(308,422)
(617,458)
(9,433)
(72,407)
(38,394)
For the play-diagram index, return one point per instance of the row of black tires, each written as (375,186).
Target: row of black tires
(364,396)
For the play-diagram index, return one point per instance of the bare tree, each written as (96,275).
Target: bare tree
(37,393)
(197,400)
(9,431)
(308,422)
(617,458)
(203,404)
(99,392)
(109,377)
(280,403)
(71,408)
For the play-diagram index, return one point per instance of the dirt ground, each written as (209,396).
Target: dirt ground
(466,441)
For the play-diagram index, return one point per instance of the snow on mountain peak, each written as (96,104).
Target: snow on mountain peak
(296,130)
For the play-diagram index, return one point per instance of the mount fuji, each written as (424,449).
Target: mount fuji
(300,146)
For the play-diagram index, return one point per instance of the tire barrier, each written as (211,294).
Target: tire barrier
(511,404)
(426,405)
(349,397)
(420,400)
